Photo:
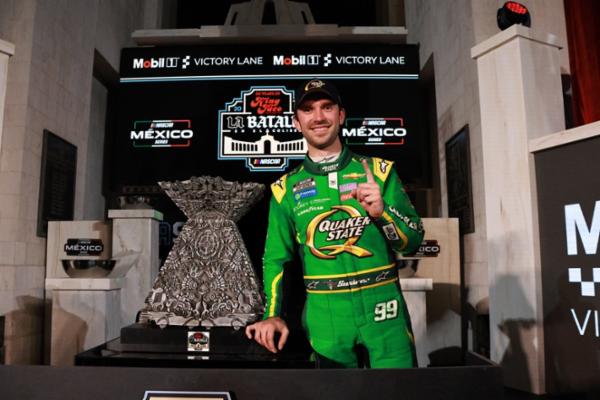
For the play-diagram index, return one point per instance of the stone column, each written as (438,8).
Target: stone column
(520,99)
(6,51)
(135,239)
(84,314)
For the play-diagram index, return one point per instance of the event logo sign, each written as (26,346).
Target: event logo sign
(84,247)
(162,133)
(258,127)
(577,226)
(569,218)
(374,131)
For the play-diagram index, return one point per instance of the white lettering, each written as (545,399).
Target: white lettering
(77,247)
(152,134)
(429,249)
(136,135)
(377,122)
(575,222)
(398,60)
(162,124)
(270,121)
(579,327)
(376,132)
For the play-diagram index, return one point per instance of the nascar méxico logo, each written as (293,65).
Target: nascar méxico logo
(162,133)
(374,131)
(258,127)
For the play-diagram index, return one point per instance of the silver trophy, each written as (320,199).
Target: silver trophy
(207,278)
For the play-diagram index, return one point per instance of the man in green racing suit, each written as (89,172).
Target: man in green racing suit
(346,215)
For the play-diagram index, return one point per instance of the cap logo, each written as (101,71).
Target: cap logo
(314,84)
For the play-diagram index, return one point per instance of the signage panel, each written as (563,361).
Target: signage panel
(228,111)
(568,186)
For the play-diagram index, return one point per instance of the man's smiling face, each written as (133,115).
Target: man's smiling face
(319,121)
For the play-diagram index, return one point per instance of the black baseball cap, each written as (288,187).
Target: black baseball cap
(317,88)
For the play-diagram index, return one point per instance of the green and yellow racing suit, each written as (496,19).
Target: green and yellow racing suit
(350,276)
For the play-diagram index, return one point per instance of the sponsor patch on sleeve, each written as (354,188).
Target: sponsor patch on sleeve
(278,188)
(390,232)
(382,168)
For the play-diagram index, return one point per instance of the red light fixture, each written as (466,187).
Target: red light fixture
(513,13)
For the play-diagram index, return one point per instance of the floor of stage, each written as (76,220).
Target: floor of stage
(513,394)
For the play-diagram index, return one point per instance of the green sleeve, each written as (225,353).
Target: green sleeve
(279,250)
(399,223)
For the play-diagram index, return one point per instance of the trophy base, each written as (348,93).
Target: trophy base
(195,340)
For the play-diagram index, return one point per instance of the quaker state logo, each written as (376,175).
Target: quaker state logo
(324,233)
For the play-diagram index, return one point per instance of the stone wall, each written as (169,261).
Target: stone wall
(446,32)
(50,81)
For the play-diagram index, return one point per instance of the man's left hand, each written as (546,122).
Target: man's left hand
(369,195)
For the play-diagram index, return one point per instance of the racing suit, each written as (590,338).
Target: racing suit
(350,276)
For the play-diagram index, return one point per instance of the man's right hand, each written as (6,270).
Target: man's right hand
(264,333)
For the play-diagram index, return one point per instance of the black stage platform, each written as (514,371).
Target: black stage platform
(107,355)
(143,345)
(477,380)
(122,383)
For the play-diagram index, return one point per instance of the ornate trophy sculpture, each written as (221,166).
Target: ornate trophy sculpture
(207,278)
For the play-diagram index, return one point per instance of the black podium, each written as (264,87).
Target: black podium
(147,345)
(477,380)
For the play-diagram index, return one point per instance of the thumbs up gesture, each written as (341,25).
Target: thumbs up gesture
(369,195)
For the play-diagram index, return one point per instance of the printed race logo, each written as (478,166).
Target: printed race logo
(374,131)
(162,133)
(324,229)
(198,341)
(258,127)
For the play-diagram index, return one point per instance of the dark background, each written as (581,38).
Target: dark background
(568,175)
(193,13)
(201,101)
(136,171)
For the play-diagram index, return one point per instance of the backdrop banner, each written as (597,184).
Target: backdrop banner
(227,111)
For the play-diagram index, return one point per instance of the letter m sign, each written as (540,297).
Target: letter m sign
(575,223)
